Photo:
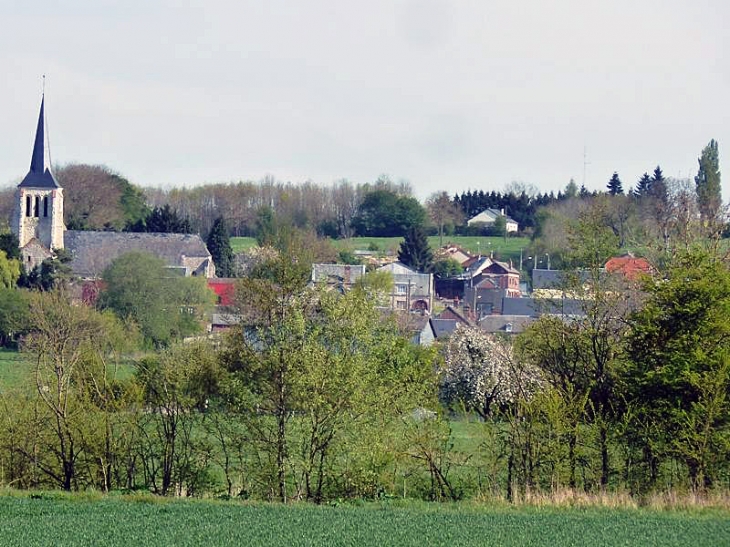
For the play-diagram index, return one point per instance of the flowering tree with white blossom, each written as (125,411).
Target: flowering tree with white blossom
(481,372)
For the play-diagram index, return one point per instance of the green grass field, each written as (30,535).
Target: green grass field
(16,370)
(501,248)
(56,519)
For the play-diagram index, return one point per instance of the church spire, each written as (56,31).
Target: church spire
(40,175)
(38,160)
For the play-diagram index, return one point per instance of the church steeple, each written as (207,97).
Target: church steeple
(38,161)
(39,175)
(38,215)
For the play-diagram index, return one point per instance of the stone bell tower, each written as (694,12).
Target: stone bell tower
(38,216)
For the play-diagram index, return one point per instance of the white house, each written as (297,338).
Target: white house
(489,216)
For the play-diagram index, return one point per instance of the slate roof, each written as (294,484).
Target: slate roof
(534,307)
(39,176)
(443,328)
(92,252)
(547,279)
(505,323)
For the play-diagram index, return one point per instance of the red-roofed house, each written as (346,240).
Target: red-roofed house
(629,266)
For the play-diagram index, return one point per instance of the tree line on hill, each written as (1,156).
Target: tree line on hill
(97,198)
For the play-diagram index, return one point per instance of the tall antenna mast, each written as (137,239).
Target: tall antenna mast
(45,123)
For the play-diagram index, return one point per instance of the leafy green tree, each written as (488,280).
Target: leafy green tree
(415,252)
(166,306)
(707,183)
(499,228)
(311,371)
(678,374)
(383,213)
(447,267)
(266,227)
(9,271)
(66,342)
(614,185)
(177,384)
(9,243)
(14,320)
(347,256)
(219,245)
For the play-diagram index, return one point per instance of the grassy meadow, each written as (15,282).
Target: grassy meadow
(16,370)
(60,519)
(503,249)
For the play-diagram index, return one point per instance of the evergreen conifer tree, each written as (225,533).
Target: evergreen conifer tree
(415,251)
(643,186)
(219,245)
(614,185)
(658,176)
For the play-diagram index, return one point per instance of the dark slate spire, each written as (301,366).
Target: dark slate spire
(38,161)
(39,176)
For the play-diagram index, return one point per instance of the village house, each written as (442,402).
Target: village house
(412,291)
(489,216)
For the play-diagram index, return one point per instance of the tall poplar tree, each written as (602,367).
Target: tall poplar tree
(707,182)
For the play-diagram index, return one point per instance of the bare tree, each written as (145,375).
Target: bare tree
(442,210)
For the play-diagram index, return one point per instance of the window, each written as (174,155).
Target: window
(401,288)
(45,206)
(401,304)
(36,211)
(28,210)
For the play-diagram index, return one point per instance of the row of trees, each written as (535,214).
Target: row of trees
(632,393)
(311,397)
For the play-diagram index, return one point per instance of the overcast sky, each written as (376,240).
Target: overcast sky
(449,95)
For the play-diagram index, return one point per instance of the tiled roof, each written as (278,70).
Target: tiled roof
(92,252)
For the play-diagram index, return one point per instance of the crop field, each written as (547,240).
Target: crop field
(504,249)
(57,519)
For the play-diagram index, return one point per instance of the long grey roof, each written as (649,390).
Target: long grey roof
(92,252)
(39,176)
(534,307)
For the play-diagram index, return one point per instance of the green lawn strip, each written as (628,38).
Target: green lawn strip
(501,248)
(239,244)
